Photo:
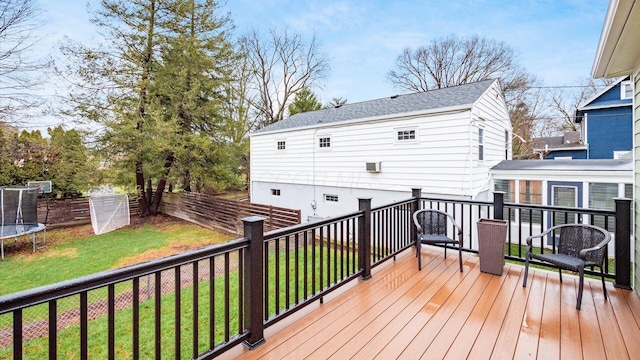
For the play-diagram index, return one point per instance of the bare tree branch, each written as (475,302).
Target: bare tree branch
(19,78)
(281,64)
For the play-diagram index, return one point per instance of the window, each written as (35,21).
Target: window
(626,90)
(332,198)
(601,197)
(505,186)
(281,145)
(325,142)
(480,144)
(530,193)
(628,191)
(406,135)
(275,192)
(506,145)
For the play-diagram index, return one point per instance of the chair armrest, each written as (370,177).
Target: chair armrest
(602,244)
(542,234)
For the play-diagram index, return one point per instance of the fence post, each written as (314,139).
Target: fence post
(364,238)
(416,194)
(253,281)
(623,243)
(498,205)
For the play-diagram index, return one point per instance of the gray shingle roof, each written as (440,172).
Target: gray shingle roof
(566,165)
(421,101)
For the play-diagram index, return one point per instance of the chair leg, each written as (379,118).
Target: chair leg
(419,256)
(560,272)
(580,286)
(445,251)
(526,270)
(604,288)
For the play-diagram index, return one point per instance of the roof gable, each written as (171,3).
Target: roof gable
(608,97)
(455,96)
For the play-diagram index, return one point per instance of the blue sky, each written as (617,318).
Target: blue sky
(556,40)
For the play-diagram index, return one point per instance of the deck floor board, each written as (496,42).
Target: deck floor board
(441,313)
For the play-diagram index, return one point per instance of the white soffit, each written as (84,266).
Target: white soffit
(619,48)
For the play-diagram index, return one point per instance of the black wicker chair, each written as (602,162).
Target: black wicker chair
(432,228)
(578,245)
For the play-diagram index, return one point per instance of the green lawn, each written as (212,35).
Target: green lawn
(155,239)
(67,256)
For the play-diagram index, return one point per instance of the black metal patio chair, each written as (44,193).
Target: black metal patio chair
(577,246)
(432,226)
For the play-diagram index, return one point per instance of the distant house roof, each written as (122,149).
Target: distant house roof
(455,96)
(569,140)
(566,165)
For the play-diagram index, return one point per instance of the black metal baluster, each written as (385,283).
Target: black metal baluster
(17,334)
(84,325)
(277,278)
(178,312)
(53,330)
(227,296)
(111,319)
(287,272)
(196,305)
(135,333)
(212,300)
(158,315)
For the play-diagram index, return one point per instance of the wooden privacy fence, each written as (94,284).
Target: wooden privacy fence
(71,212)
(213,212)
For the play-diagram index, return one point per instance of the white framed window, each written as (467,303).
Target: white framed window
(626,90)
(275,192)
(406,134)
(480,143)
(330,198)
(324,142)
(601,196)
(281,145)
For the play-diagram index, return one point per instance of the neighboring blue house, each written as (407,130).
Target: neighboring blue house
(606,128)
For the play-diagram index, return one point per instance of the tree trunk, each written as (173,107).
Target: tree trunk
(143,207)
(157,197)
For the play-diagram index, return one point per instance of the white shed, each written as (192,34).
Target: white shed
(443,141)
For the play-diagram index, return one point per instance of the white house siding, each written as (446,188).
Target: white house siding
(437,160)
(442,160)
(490,112)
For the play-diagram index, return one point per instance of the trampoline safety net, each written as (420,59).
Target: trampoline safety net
(109,212)
(19,208)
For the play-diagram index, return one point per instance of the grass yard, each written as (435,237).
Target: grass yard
(75,252)
(68,337)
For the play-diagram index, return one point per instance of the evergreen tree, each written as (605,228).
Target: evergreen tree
(155,85)
(305,100)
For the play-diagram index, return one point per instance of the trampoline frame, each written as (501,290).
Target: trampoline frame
(29,229)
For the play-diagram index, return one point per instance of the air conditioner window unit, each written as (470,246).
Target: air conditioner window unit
(373,166)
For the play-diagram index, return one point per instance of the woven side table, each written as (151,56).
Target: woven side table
(492,235)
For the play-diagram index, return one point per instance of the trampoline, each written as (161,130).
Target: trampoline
(19,216)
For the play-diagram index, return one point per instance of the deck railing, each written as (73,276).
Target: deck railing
(203,302)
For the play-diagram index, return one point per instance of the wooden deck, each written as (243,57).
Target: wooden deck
(440,313)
